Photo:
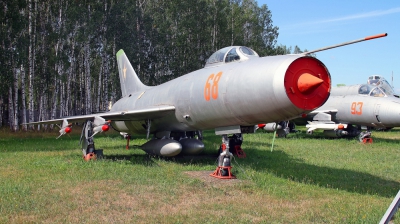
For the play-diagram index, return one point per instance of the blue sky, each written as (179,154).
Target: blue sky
(312,24)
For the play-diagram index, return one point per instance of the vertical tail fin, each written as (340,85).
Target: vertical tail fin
(130,82)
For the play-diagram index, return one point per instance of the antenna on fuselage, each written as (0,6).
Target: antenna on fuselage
(392,80)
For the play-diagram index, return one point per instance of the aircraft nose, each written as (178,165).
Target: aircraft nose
(308,82)
(389,113)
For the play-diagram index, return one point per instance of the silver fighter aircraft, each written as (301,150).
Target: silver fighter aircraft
(234,91)
(350,111)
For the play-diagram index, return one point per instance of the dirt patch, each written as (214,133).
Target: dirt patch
(205,177)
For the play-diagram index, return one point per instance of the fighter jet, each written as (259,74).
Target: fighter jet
(350,108)
(234,91)
(350,111)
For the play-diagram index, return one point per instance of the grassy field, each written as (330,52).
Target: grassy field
(306,179)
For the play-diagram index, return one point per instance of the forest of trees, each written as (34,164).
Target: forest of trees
(58,56)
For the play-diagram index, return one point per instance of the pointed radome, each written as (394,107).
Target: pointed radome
(307,81)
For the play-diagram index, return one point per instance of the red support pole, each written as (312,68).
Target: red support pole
(127,142)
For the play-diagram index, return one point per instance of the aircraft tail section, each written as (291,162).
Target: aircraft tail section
(130,82)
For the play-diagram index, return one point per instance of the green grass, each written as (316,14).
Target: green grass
(306,179)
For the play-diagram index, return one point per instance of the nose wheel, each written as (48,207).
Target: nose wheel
(365,137)
(223,170)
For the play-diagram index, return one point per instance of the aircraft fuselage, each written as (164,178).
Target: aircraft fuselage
(242,93)
(365,110)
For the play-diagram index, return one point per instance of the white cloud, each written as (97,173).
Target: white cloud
(359,16)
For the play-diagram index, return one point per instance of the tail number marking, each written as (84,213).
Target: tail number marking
(356,108)
(211,87)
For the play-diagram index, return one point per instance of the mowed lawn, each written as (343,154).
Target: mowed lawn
(305,179)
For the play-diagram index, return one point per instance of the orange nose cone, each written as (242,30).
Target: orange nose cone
(307,81)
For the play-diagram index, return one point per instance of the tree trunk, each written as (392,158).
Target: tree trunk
(71,72)
(88,80)
(99,85)
(1,111)
(10,108)
(16,78)
(54,101)
(61,99)
(31,62)
(40,112)
(114,67)
(105,83)
(23,98)
(81,73)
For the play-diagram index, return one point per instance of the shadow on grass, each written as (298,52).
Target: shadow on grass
(374,138)
(145,159)
(203,159)
(40,143)
(320,135)
(282,165)
(385,140)
(150,160)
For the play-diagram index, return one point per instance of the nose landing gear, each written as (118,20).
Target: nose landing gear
(223,170)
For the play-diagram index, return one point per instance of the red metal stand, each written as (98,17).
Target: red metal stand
(218,173)
(367,140)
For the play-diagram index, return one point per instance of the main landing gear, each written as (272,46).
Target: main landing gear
(88,149)
(365,137)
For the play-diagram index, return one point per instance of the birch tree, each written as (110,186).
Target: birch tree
(23,97)
(31,59)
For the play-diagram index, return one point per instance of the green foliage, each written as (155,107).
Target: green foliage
(163,39)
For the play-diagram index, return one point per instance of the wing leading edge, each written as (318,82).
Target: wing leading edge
(133,115)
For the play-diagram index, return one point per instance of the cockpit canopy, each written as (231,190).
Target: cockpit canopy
(373,90)
(374,79)
(230,54)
